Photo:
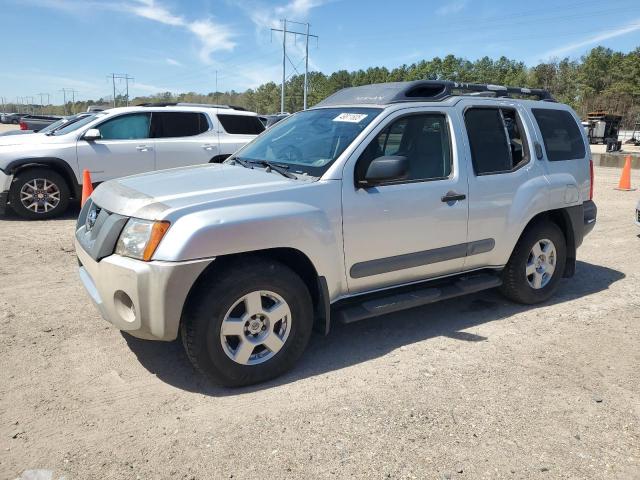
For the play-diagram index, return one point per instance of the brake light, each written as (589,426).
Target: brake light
(23,126)
(591,179)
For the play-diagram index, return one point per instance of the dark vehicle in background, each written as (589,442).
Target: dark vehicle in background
(62,122)
(36,123)
(11,118)
(271,120)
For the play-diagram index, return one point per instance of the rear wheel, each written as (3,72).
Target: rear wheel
(248,322)
(38,194)
(536,264)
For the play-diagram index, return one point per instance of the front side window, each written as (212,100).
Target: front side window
(311,140)
(497,140)
(77,124)
(423,139)
(177,124)
(241,124)
(126,127)
(560,133)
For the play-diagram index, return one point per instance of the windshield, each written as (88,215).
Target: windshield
(61,122)
(75,125)
(309,141)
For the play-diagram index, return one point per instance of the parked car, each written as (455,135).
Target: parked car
(11,118)
(40,173)
(271,120)
(381,198)
(35,123)
(53,126)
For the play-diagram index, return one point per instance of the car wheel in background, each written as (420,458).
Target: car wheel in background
(38,194)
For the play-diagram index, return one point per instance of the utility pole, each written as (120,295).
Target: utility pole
(64,96)
(126,78)
(42,95)
(306,34)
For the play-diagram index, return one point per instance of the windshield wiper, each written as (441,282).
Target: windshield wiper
(281,169)
(239,161)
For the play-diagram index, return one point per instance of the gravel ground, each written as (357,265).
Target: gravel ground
(470,388)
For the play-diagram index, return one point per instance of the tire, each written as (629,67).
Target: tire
(218,298)
(51,205)
(15,122)
(539,285)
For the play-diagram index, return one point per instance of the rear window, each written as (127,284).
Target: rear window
(241,124)
(560,133)
(178,124)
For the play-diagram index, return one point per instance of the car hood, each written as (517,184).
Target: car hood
(31,139)
(155,195)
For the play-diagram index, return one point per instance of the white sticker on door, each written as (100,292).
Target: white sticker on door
(350,117)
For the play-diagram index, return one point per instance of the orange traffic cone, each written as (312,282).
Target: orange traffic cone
(87,186)
(625,178)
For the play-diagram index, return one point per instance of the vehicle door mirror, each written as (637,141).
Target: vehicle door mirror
(385,169)
(92,134)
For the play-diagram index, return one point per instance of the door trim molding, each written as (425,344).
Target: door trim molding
(417,259)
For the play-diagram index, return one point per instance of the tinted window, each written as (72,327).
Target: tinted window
(560,133)
(241,124)
(423,139)
(177,124)
(125,127)
(496,138)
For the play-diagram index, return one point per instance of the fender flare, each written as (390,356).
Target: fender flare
(56,164)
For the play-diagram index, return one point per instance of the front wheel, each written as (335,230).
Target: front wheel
(248,322)
(38,194)
(536,264)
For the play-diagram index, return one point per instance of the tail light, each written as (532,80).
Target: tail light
(591,179)
(23,126)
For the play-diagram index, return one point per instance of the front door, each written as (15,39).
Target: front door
(413,229)
(123,149)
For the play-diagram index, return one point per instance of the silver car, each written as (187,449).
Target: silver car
(381,198)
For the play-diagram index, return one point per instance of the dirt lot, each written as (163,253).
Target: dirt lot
(4,127)
(471,388)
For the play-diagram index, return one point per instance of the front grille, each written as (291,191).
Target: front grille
(97,230)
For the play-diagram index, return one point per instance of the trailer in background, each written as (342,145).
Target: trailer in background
(603,127)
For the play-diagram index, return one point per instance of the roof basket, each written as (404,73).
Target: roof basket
(426,91)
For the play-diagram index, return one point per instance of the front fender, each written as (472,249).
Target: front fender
(260,226)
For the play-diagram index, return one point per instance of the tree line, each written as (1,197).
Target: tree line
(602,79)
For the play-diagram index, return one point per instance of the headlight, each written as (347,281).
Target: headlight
(140,238)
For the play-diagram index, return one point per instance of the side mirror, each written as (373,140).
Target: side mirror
(92,134)
(385,169)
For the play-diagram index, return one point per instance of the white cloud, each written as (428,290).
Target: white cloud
(150,10)
(453,6)
(572,47)
(266,16)
(173,62)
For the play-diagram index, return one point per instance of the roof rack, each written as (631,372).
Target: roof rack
(426,91)
(187,104)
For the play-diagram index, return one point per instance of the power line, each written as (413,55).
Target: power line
(64,98)
(295,34)
(120,77)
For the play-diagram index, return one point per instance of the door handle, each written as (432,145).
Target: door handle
(209,147)
(143,148)
(452,196)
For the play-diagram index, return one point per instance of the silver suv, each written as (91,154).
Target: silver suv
(39,173)
(381,198)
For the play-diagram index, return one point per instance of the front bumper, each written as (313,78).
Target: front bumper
(145,299)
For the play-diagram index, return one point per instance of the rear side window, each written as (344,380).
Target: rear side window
(241,124)
(178,124)
(560,133)
(497,140)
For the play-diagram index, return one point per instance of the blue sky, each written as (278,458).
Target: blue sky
(178,45)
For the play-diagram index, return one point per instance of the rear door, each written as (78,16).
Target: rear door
(182,138)
(236,130)
(123,149)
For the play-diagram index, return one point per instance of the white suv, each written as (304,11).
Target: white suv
(39,173)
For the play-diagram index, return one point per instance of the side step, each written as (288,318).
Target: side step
(381,305)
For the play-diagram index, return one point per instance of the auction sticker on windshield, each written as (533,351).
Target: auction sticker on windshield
(350,117)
